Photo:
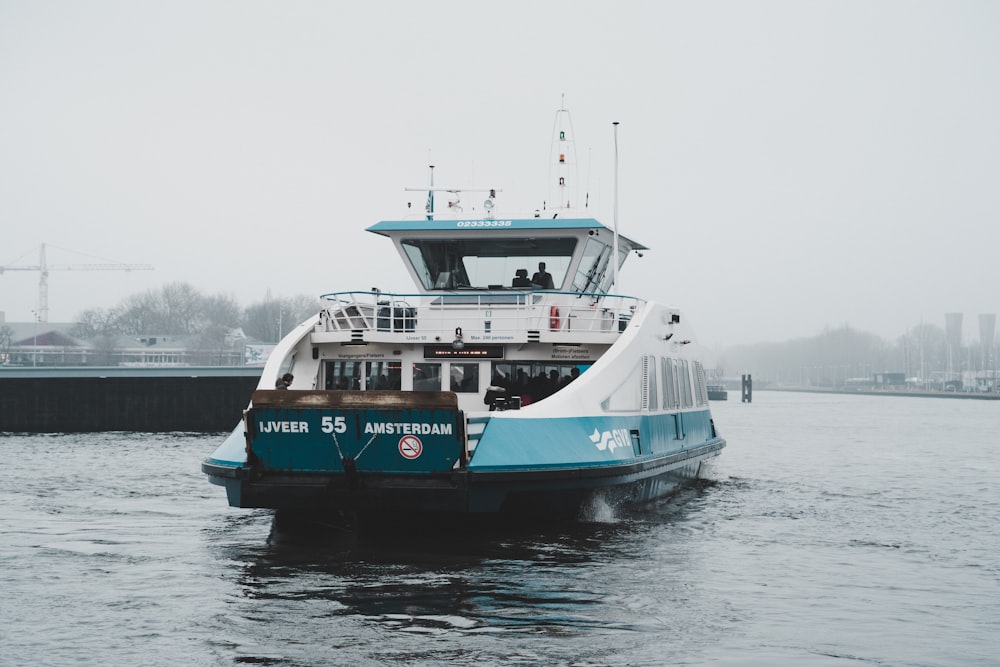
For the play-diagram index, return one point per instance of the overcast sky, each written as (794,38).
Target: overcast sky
(792,165)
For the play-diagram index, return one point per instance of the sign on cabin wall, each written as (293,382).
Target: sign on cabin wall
(572,353)
(466,352)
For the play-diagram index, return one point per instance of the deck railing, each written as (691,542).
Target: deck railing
(490,313)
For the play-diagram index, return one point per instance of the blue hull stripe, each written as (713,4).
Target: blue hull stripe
(520,444)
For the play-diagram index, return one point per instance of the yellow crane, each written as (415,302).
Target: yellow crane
(44,267)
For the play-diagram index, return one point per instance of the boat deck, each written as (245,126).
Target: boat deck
(508,317)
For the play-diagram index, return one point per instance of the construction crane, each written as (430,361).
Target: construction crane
(44,267)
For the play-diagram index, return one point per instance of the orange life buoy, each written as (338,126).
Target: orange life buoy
(554,318)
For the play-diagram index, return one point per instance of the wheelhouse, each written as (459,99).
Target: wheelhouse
(508,255)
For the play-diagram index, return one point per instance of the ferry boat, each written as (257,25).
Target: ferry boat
(717,392)
(511,381)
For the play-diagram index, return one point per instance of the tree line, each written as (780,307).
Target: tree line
(179,309)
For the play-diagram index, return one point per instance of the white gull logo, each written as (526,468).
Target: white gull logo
(609,440)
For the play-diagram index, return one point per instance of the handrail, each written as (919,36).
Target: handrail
(494,313)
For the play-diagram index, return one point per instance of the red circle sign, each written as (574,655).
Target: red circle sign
(410,446)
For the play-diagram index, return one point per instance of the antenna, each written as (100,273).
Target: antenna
(614,265)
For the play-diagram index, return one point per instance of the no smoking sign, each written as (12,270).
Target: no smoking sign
(410,447)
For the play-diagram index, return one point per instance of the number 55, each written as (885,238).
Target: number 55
(333,424)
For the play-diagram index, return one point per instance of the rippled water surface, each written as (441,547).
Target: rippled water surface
(833,530)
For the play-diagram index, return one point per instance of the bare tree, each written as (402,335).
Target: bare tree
(6,339)
(222,310)
(272,318)
(182,309)
(174,309)
(140,314)
(96,322)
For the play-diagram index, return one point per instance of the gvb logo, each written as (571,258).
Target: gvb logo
(609,440)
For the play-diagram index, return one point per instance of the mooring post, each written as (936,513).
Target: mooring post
(747,385)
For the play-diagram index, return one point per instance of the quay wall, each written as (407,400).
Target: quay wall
(85,400)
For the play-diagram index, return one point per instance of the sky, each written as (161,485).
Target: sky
(792,165)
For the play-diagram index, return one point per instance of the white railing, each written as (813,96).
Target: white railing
(491,313)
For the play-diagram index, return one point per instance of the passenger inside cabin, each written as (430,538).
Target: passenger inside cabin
(538,387)
(496,397)
(521,279)
(542,278)
(284,381)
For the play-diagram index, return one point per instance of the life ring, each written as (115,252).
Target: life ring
(554,318)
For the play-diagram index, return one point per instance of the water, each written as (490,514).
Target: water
(834,530)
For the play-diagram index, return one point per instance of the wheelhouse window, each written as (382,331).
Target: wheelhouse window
(490,262)
(592,267)
(594,275)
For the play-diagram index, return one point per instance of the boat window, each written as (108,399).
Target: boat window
(649,379)
(685,384)
(383,375)
(592,266)
(701,388)
(490,262)
(670,401)
(465,378)
(628,396)
(342,375)
(594,274)
(534,380)
(421,267)
(427,377)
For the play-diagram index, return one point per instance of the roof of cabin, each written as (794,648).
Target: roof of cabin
(385,227)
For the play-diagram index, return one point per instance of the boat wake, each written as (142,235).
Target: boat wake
(599,509)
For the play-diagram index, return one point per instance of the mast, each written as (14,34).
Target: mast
(563,167)
(430,196)
(614,258)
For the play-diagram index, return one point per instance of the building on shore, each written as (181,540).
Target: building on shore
(46,344)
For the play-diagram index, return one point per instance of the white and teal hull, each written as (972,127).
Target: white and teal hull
(536,465)
(416,452)
(390,413)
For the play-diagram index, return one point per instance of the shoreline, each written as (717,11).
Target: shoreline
(968,395)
